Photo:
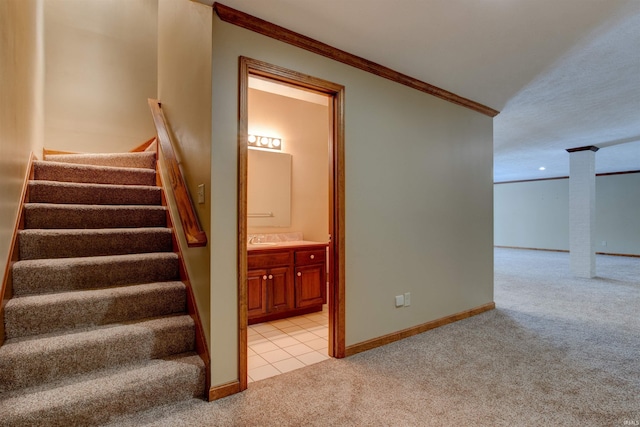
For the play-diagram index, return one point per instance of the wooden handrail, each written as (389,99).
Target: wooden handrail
(194,234)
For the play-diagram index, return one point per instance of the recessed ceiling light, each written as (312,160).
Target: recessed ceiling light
(542,168)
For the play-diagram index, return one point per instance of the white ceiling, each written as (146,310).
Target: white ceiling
(563,73)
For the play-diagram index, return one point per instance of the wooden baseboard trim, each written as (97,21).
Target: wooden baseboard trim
(6,287)
(144,146)
(565,177)
(530,249)
(224,390)
(610,254)
(415,330)
(201,346)
(565,251)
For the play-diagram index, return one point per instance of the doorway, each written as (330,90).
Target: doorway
(335,310)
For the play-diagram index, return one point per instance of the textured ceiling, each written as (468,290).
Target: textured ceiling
(564,73)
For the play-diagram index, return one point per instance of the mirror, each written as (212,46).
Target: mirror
(268,189)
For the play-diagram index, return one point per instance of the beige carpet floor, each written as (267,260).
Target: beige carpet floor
(557,351)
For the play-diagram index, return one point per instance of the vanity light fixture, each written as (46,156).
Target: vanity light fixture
(265,142)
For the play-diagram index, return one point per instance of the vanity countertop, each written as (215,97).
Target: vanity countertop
(284,245)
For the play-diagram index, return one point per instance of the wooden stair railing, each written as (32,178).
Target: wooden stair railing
(194,234)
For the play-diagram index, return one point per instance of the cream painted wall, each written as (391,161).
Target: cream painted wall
(20,106)
(617,219)
(184,88)
(304,128)
(100,68)
(419,196)
(536,214)
(532,214)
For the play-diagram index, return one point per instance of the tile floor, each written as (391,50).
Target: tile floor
(284,345)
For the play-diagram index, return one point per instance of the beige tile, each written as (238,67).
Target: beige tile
(282,323)
(301,321)
(323,333)
(250,352)
(256,361)
(256,339)
(275,355)
(287,365)
(263,347)
(263,327)
(298,349)
(311,358)
(293,329)
(317,344)
(271,335)
(263,372)
(316,317)
(285,342)
(252,332)
(305,336)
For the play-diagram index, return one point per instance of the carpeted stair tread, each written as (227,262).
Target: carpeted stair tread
(70,243)
(66,274)
(71,172)
(96,398)
(144,159)
(97,327)
(43,314)
(93,194)
(49,215)
(33,360)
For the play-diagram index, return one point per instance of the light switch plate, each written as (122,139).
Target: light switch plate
(201,193)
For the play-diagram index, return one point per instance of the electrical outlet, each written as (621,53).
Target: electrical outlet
(399,300)
(407,299)
(201,193)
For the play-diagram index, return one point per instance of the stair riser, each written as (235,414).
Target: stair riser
(39,244)
(93,194)
(35,277)
(87,216)
(92,174)
(45,314)
(45,362)
(98,403)
(145,160)
(96,300)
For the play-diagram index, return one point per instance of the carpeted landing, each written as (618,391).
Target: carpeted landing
(97,327)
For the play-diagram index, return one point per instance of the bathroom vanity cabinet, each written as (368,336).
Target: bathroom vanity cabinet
(286,279)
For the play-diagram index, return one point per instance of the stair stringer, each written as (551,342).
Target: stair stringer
(192,308)
(6,288)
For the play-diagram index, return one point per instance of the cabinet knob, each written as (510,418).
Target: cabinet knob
(299,274)
(264,277)
(271,276)
(312,256)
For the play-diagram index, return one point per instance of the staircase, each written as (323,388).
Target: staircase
(97,327)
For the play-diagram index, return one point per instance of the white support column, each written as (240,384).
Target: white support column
(582,210)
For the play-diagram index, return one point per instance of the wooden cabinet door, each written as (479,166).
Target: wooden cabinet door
(257,293)
(280,289)
(310,285)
